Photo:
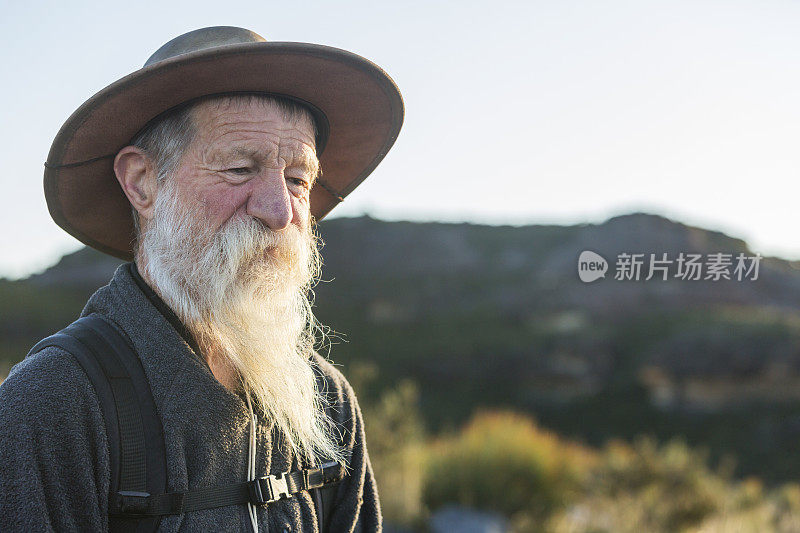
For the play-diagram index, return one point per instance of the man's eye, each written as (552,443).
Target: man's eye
(299,182)
(239,170)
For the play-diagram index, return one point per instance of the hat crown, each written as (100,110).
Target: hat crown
(202,39)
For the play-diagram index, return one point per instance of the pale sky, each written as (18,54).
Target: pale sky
(516,112)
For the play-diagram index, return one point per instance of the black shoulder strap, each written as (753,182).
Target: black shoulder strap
(325,496)
(135,435)
(323,502)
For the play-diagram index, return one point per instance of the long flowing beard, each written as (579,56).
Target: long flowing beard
(243,292)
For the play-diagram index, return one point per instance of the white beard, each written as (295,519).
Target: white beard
(243,292)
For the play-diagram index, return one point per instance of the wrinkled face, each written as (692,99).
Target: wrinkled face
(228,244)
(247,160)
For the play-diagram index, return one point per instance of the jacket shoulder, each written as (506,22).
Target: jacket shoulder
(357,506)
(51,374)
(327,371)
(53,447)
(49,393)
(342,405)
(337,390)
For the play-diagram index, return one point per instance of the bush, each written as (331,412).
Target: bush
(503,462)
(647,487)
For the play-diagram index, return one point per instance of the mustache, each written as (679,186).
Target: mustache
(251,247)
(200,264)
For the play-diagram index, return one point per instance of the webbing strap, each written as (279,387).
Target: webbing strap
(133,462)
(261,491)
(136,441)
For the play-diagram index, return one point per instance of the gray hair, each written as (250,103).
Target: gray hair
(167,137)
(165,140)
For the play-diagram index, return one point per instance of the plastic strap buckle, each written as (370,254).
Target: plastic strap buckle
(269,489)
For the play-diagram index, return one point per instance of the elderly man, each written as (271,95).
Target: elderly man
(219,415)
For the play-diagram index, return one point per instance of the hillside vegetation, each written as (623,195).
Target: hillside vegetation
(459,319)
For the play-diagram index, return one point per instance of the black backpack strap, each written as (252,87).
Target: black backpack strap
(323,502)
(261,491)
(325,496)
(135,435)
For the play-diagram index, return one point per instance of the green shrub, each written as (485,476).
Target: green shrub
(503,462)
(647,487)
(673,481)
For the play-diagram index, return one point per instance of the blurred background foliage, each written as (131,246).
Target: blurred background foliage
(493,380)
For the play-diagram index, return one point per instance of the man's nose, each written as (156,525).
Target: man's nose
(269,201)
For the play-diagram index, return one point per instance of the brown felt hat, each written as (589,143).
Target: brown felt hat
(357,107)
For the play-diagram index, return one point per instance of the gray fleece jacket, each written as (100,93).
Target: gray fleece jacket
(54,459)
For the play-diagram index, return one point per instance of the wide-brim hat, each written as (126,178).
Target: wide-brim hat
(357,108)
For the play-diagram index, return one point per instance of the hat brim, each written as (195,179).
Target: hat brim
(362,104)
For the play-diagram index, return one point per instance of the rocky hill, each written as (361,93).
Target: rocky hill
(517,268)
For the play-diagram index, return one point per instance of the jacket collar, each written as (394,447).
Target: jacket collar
(164,309)
(169,354)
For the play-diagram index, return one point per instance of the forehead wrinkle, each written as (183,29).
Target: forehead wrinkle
(236,119)
(221,134)
(288,136)
(237,142)
(272,140)
(216,119)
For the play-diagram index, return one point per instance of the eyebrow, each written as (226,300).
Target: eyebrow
(309,163)
(306,160)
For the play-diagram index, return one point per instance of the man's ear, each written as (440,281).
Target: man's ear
(136,175)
